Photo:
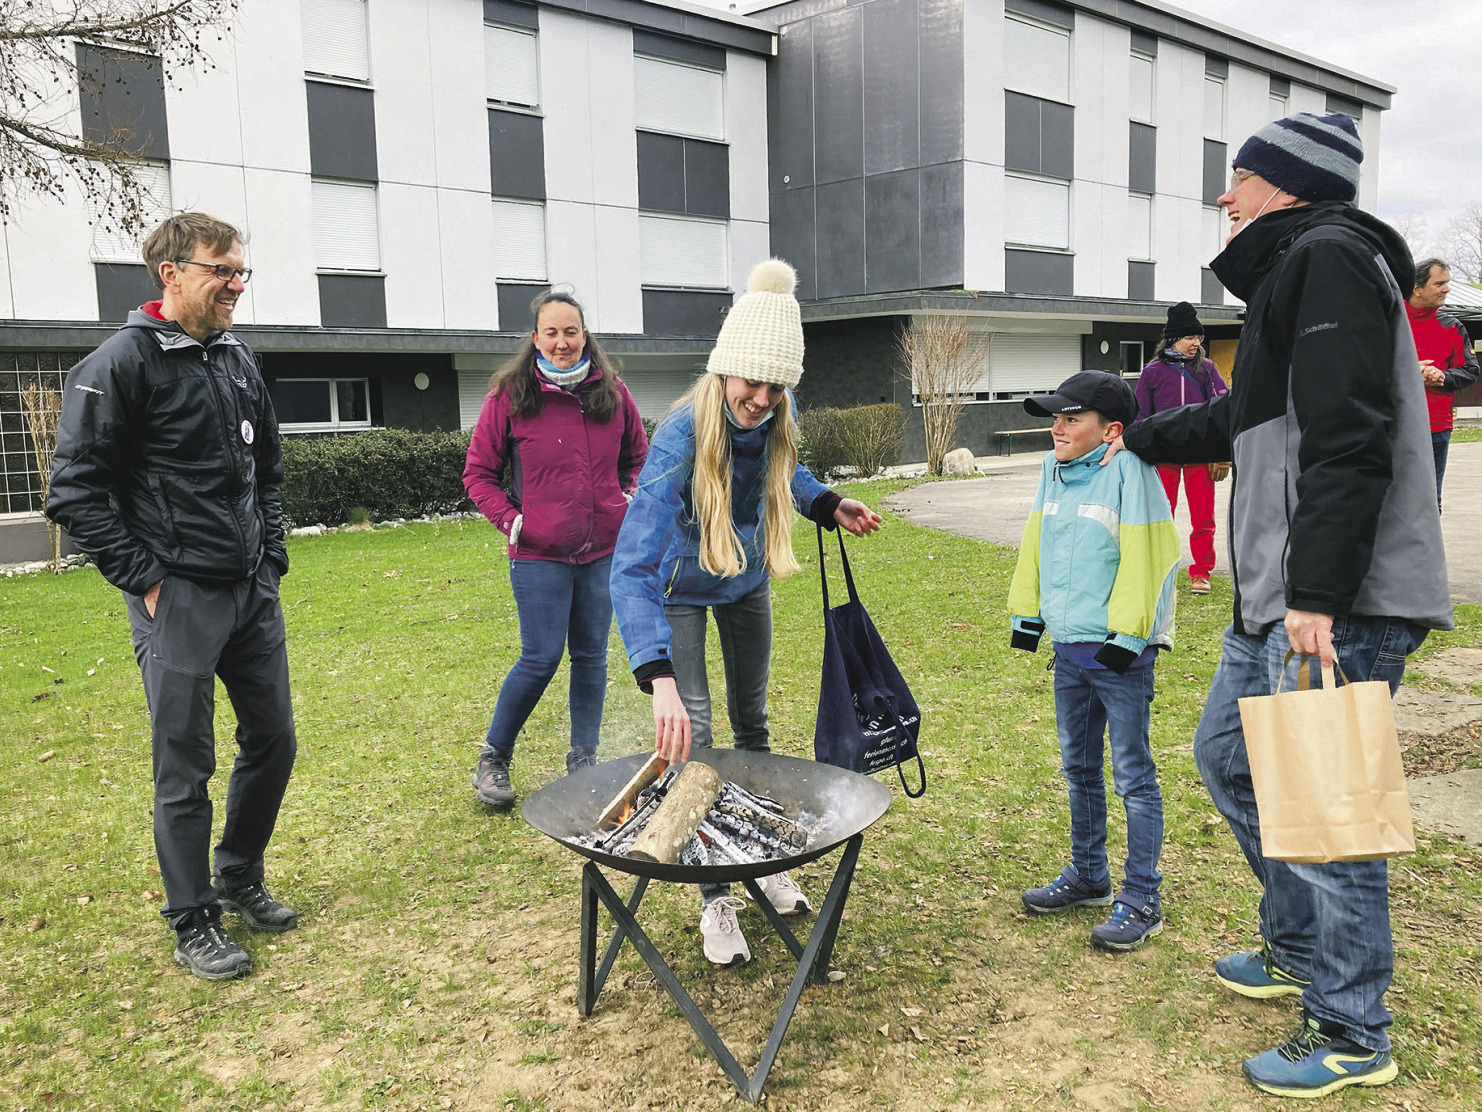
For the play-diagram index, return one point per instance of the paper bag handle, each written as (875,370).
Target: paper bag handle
(1304,673)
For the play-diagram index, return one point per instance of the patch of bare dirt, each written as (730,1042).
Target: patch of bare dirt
(1436,756)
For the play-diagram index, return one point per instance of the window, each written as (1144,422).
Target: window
(1139,226)
(1036,59)
(1276,106)
(1142,88)
(511,72)
(519,241)
(1036,212)
(20,483)
(1214,107)
(1213,228)
(111,246)
(316,404)
(1039,136)
(336,38)
(1216,171)
(1012,364)
(679,99)
(683,252)
(346,229)
(1132,361)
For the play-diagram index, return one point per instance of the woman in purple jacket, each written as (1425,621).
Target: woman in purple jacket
(563,433)
(1182,375)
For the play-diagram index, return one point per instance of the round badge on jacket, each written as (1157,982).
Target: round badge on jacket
(246,432)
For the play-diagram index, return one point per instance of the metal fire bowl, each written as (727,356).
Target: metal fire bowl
(841,802)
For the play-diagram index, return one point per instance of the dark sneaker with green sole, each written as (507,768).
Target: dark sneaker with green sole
(1316,1061)
(256,905)
(208,951)
(1254,973)
(1066,891)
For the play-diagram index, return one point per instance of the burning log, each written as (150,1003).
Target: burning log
(685,806)
(627,798)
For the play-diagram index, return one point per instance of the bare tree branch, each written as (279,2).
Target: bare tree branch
(1464,243)
(943,364)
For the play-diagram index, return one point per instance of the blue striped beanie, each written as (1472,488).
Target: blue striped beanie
(1314,158)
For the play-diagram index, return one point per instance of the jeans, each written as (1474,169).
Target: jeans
(560,605)
(1441,445)
(1329,923)
(1200,489)
(1092,704)
(745,631)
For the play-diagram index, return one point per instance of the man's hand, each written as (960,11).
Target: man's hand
(671,722)
(1432,374)
(151,597)
(1311,633)
(858,518)
(1112,448)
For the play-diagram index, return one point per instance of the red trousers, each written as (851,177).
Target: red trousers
(1200,489)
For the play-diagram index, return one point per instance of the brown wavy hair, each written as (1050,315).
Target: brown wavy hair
(518,377)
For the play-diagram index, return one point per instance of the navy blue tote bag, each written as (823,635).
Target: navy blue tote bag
(867,719)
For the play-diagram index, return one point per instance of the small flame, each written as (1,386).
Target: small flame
(624,815)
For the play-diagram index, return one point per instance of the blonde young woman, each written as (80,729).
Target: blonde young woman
(710,525)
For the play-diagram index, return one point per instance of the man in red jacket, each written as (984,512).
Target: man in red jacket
(1447,361)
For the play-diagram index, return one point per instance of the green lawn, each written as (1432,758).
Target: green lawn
(436,962)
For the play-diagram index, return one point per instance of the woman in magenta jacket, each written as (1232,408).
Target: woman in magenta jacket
(1182,375)
(552,463)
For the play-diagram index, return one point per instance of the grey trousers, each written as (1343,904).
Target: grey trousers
(199,632)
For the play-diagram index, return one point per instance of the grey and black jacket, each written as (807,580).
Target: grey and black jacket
(1333,506)
(169,459)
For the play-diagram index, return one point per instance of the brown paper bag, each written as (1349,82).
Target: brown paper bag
(1326,768)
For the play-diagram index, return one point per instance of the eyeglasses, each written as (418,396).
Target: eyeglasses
(222,271)
(1239,176)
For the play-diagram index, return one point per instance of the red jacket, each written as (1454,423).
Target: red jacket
(1442,340)
(569,472)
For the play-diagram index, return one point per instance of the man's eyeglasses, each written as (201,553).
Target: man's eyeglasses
(222,271)
(1239,176)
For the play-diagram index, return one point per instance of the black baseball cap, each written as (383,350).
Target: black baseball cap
(1106,393)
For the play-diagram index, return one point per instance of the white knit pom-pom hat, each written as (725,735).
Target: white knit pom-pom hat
(761,339)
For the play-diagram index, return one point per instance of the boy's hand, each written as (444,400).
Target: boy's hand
(1112,448)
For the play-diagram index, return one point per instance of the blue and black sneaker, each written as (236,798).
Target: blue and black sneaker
(1128,927)
(1315,1062)
(1066,891)
(1255,973)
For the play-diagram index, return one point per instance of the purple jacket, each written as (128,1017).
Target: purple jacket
(1164,385)
(569,473)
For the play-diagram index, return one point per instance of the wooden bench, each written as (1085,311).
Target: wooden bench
(1006,437)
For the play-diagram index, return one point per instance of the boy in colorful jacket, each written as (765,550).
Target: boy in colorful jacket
(1097,567)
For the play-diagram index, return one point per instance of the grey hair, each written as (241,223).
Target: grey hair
(1424,267)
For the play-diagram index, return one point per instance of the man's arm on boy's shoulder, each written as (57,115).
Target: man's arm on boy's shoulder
(1197,433)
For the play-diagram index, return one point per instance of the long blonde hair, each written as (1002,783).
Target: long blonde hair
(721,553)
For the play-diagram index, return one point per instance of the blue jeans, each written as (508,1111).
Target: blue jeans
(1092,705)
(559,605)
(1441,445)
(1329,923)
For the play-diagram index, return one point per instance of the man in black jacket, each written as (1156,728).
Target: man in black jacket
(1335,548)
(167,472)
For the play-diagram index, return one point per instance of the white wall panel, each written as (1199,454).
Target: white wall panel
(7,305)
(1304,98)
(467,259)
(409,256)
(49,245)
(1368,194)
(746,128)
(221,191)
(617,269)
(204,113)
(402,61)
(587,101)
(983,82)
(982,226)
(1101,52)
(1099,238)
(571,254)
(269,68)
(460,120)
(281,225)
(750,244)
(1180,92)
(1247,106)
(1180,243)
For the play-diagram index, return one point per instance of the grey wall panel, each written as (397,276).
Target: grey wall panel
(792,237)
(122,287)
(1040,9)
(660,172)
(1215,66)
(1211,292)
(1337,103)
(790,110)
(1144,43)
(1216,171)
(342,131)
(1281,86)
(941,45)
(1038,272)
(511,12)
(123,100)
(707,178)
(516,155)
(352,301)
(1021,134)
(891,104)
(851,362)
(840,238)
(1057,139)
(681,50)
(942,225)
(1142,157)
(683,312)
(1140,280)
(893,231)
(514,305)
(838,107)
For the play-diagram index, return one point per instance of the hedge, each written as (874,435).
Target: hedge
(388,473)
(865,439)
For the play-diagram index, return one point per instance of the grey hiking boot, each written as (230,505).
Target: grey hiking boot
(576,760)
(256,905)
(491,781)
(204,947)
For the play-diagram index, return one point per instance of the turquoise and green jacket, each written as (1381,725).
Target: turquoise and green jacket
(1098,561)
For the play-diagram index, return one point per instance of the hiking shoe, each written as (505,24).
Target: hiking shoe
(491,781)
(724,942)
(1199,585)
(575,760)
(1066,891)
(255,904)
(1255,973)
(1128,927)
(783,893)
(208,951)
(1315,1062)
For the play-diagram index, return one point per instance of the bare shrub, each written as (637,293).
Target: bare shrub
(872,437)
(42,407)
(942,362)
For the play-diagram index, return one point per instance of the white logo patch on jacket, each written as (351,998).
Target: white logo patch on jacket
(246,432)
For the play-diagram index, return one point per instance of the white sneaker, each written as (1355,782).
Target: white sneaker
(724,943)
(784,894)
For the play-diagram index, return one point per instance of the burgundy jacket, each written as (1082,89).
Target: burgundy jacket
(568,472)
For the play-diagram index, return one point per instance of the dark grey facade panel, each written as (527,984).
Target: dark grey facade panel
(123,100)
(513,13)
(891,90)
(352,301)
(122,287)
(1337,103)
(1140,280)
(1057,14)
(516,155)
(942,222)
(1280,86)
(1057,139)
(1038,272)
(680,50)
(1216,67)
(1216,170)
(840,238)
(853,362)
(514,304)
(790,111)
(1211,292)
(719,32)
(683,312)
(707,178)
(1142,157)
(660,172)
(342,131)
(893,231)
(1021,132)
(792,237)
(941,46)
(1144,43)
(838,106)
